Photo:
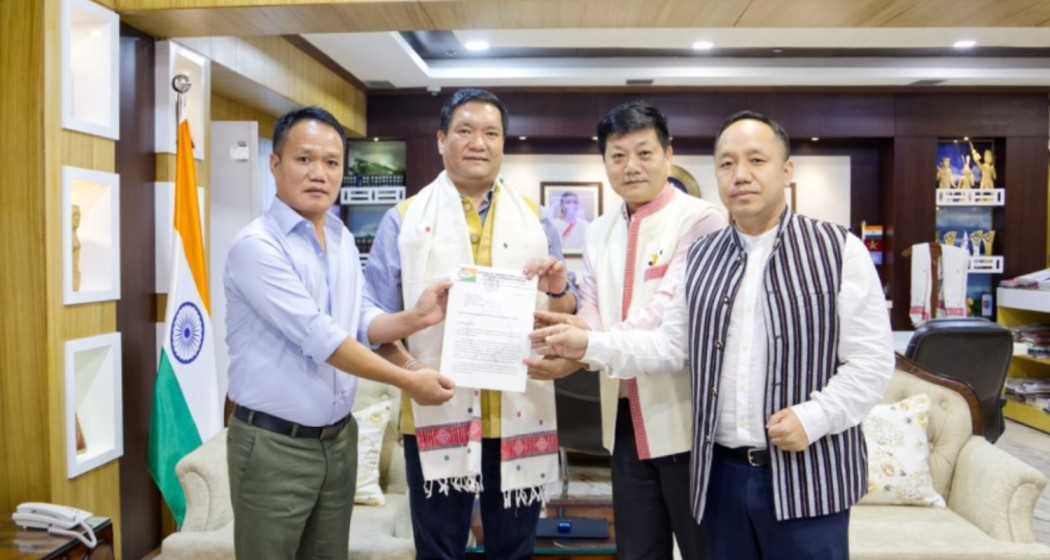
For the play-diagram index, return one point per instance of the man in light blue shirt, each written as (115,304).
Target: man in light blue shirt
(298,331)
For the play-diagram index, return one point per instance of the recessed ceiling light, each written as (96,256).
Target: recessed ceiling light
(477,45)
(703,46)
(815,139)
(375,139)
(594,138)
(965,44)
(523,138)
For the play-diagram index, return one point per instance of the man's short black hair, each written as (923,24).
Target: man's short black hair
(747,115)
(631,117)
(464,96)
(289,119)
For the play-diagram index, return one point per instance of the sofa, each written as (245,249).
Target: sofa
(990,495)
(376,532)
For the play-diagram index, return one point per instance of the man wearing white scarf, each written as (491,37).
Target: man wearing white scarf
(502,445)
(630,257)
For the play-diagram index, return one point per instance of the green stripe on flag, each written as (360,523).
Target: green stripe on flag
(173,434)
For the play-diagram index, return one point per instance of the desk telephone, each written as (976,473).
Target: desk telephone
(57,520)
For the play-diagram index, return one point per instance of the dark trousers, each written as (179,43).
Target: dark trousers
(739,521)
(650,500)
(441,523)
(292,497)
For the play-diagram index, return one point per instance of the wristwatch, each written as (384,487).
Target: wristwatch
(559,294)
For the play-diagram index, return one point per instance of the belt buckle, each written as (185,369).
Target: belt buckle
(329,432)
(751,460)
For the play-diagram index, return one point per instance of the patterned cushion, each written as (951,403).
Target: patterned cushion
(899,454)
(371,423)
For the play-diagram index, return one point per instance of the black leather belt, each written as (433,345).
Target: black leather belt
(284,427)
(754,456)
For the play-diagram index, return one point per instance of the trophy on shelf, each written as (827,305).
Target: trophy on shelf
(966,179)
(75,219)
(987,166)
(950,237)
(987,239)
(945,178)
(973,242)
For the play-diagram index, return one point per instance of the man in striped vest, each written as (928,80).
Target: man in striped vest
(645,422)
(784,325)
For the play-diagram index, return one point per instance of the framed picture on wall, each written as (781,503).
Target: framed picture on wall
(572,207)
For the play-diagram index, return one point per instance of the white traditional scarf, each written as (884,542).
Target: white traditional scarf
(434,242)
(953,272)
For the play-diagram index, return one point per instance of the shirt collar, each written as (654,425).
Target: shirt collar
(654,205)
(785,219)
(288,219)
(487,200)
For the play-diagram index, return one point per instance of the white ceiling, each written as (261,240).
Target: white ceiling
(388,57)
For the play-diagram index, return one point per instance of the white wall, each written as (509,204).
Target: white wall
(823,181)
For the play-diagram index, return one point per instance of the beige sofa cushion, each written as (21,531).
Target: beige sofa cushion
(369,393)
(899,454)
(921,533)
(949,428)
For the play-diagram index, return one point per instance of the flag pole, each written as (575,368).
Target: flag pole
(181,84)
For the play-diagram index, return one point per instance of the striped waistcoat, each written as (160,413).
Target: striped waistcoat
(800,285)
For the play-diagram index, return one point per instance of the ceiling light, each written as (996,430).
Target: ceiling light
(477,45)
(375,139)
(703,46)
(778,51)
(523,138)
(966,138)
(965,44)
(594,138)
(815,139)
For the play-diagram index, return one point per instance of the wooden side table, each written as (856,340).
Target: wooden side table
(18,543)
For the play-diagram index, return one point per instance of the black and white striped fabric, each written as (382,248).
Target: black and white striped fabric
(800,285)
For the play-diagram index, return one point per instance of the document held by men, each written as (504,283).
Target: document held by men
(487,325)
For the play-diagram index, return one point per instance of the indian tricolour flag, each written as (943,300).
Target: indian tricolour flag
(187,406)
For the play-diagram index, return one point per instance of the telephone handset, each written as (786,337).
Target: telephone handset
(57,520)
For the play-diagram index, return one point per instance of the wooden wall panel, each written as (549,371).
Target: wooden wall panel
(226,109)
(1023,231)
(97,490)
(912,216)
(24,379)
(135,161)
(276,64)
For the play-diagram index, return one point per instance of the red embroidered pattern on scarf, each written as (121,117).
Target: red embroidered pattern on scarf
(448,435)
(528,445)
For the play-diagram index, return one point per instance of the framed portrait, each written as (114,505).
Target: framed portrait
(572,206)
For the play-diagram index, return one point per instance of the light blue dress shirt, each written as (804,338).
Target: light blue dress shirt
(289,305)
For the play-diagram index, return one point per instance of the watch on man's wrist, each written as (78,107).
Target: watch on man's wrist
(560,294)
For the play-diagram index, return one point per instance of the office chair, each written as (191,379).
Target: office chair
(973,350)
(578,405)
